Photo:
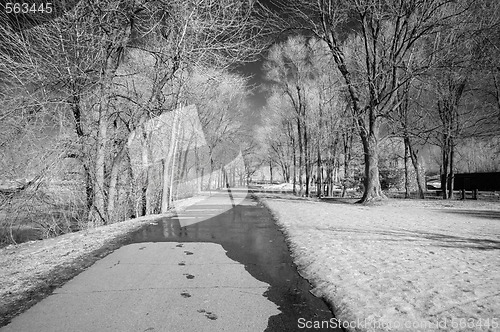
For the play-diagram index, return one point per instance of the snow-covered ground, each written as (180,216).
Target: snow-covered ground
(281,186)
(31,268)
(401,266)
(289,187)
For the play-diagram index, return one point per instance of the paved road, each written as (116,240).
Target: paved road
(213,267)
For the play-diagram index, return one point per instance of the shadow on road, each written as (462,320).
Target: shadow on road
(488,214)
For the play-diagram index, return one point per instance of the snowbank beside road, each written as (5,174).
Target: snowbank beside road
(31,270)
(404,266)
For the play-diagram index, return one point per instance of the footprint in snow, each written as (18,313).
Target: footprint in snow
(208,314)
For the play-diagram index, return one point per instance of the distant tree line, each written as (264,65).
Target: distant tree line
(425,72)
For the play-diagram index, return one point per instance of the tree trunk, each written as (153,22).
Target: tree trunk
(84,156)
(307,159)
(319,183)
(97,215)
(143,208)
(130,188)
(283,171)
(347,140)
(146,182)
(202,176)
(211,174)
(416,165)
(271,171)
(372,188)
(329,173)
(220,178)
(451,176)
(89,186)
(407,177)
(301,154)
(445,161)
(115,169)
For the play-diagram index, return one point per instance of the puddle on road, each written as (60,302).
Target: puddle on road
(249,235)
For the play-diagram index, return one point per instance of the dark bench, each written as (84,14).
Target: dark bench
(476,182)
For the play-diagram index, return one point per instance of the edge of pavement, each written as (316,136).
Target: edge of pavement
(32,270)
(335,308)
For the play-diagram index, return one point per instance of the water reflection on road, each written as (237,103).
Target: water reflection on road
(249,235)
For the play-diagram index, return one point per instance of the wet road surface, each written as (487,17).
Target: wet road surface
(249,235)
(220,265)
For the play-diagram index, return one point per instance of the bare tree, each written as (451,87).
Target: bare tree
(220,97)
(275,137)
(370,40)
(288,68)
(410,124)
(87,63)
(306,106)
(457,51)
